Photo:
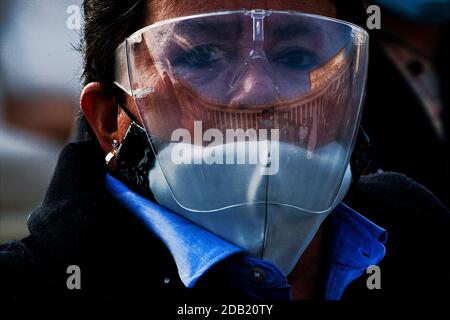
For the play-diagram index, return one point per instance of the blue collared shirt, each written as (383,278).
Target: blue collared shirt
(355,244)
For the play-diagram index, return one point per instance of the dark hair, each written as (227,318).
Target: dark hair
(106,24)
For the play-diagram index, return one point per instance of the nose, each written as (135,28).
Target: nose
(253,84)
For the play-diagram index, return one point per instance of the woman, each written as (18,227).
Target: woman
(192,221)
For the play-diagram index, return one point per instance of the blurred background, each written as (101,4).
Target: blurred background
(39,91)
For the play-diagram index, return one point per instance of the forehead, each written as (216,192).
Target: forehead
(158,10)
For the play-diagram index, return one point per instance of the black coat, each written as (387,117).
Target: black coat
(401,134)
(80,223)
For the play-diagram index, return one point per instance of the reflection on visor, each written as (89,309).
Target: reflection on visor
(246,71)
(215,55)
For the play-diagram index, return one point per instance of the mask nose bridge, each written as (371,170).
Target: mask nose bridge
(258,34)
(256,54)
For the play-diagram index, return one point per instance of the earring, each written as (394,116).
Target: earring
(113,153)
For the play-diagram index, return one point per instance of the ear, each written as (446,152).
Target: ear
(100,111)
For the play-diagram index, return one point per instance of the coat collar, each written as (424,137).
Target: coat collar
(76,203)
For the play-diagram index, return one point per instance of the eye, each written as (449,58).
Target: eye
(204,56)
(295,58)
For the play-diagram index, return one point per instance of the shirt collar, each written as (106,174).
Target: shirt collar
(194,249)
(356,243)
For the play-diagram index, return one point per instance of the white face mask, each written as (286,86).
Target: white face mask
(268,229)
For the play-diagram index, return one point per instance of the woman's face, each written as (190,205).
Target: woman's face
(158,10)
(198,67)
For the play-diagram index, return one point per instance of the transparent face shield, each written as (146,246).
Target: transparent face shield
(236,102)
